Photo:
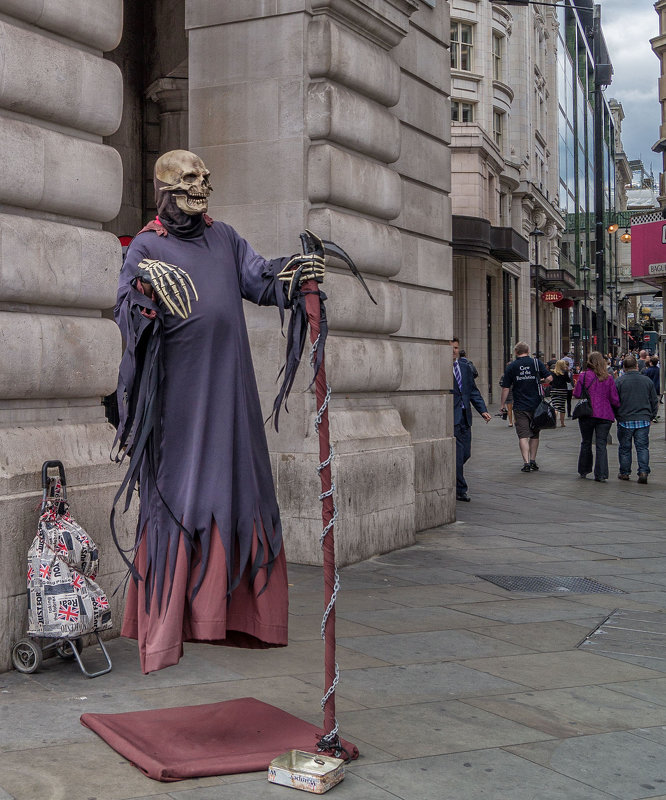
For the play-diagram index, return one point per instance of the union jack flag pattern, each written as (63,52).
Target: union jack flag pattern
(63,599)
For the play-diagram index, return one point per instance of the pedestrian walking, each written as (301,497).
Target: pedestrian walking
(638,405)
(509,399)
(465,397)
(525,376)
(652,371)
(570,382)
(604,399)
(558,388)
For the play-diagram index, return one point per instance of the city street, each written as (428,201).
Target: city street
(453,687)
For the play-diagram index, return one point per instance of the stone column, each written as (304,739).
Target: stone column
(292,113)
(58,270)
(170,96)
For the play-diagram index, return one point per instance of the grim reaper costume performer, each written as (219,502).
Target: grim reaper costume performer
(208,564)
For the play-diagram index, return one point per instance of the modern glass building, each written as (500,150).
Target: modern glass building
(586,196)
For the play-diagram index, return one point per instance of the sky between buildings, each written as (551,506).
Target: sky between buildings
(628,26)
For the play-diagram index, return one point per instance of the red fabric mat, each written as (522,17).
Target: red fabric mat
(172,744)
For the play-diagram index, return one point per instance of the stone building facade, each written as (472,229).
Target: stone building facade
(504,180)
(59,98)
(328,114)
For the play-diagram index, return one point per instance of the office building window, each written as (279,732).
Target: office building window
(498,46)
(462,112)
(461,45)
(498,128)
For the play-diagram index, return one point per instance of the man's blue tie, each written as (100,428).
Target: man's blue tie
(458,376)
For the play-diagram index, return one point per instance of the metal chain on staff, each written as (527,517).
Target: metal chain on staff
(330,739)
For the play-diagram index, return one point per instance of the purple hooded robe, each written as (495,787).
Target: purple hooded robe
(209,475)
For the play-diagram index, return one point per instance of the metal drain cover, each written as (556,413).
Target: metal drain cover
(549,584)
(623,633)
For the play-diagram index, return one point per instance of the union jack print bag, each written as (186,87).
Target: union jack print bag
(64,602)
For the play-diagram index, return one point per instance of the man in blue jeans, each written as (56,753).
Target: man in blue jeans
(638,405)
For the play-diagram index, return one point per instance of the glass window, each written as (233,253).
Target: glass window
(498,46)
(498,128)
(461,45)
(462,112)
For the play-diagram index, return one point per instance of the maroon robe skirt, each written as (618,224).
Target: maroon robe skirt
(251,618)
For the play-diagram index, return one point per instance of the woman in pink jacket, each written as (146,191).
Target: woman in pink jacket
(604,400)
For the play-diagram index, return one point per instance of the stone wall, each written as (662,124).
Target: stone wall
(315,115)
(58,270)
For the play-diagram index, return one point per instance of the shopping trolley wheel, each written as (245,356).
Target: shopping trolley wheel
(65,648)
(26,656)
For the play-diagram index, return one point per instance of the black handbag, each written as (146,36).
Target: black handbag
(544,414)
(583,407)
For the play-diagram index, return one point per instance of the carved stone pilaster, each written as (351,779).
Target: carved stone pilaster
(170,95)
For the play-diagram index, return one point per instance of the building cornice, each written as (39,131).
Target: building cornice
(386,22)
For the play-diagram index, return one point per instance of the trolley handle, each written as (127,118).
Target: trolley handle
(45,479)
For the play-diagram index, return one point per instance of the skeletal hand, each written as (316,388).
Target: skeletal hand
(302,268)
(170,283)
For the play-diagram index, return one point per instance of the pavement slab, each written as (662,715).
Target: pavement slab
(307,627)
(431,728)
(479,775)
(537,609)
(546,637)
(413,648)
(623,765)
(574,712)
(657,734)
(453,688)
(414,683)
(428,596)
(353,787)
(654,691)
(107,775)
(560,670)
(424,618)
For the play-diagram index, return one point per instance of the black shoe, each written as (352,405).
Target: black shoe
(622,476)
(465,498)
(583,474)
(600,480)
(526,467)
(534,466)
(642,477)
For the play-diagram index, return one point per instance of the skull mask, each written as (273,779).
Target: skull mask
(184,175)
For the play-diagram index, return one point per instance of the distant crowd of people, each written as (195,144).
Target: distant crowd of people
(623,389)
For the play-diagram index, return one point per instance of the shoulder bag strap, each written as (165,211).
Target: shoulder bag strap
(536,377)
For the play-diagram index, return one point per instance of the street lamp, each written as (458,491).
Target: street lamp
(537,234)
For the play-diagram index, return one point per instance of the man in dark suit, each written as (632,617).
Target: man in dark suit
(465,395)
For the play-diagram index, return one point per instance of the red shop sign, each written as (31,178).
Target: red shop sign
(552,296)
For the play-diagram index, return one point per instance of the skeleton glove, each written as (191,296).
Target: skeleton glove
(307,267)
(171,284)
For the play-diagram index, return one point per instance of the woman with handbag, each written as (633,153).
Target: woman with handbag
(595,414)
(558,388)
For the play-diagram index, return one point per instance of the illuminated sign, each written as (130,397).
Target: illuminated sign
(552,296)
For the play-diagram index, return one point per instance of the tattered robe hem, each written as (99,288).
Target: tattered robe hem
(250,618)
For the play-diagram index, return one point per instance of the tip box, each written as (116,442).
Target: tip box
(310,772)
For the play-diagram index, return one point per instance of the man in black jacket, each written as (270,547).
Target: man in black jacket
(638,406)
(465,396)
